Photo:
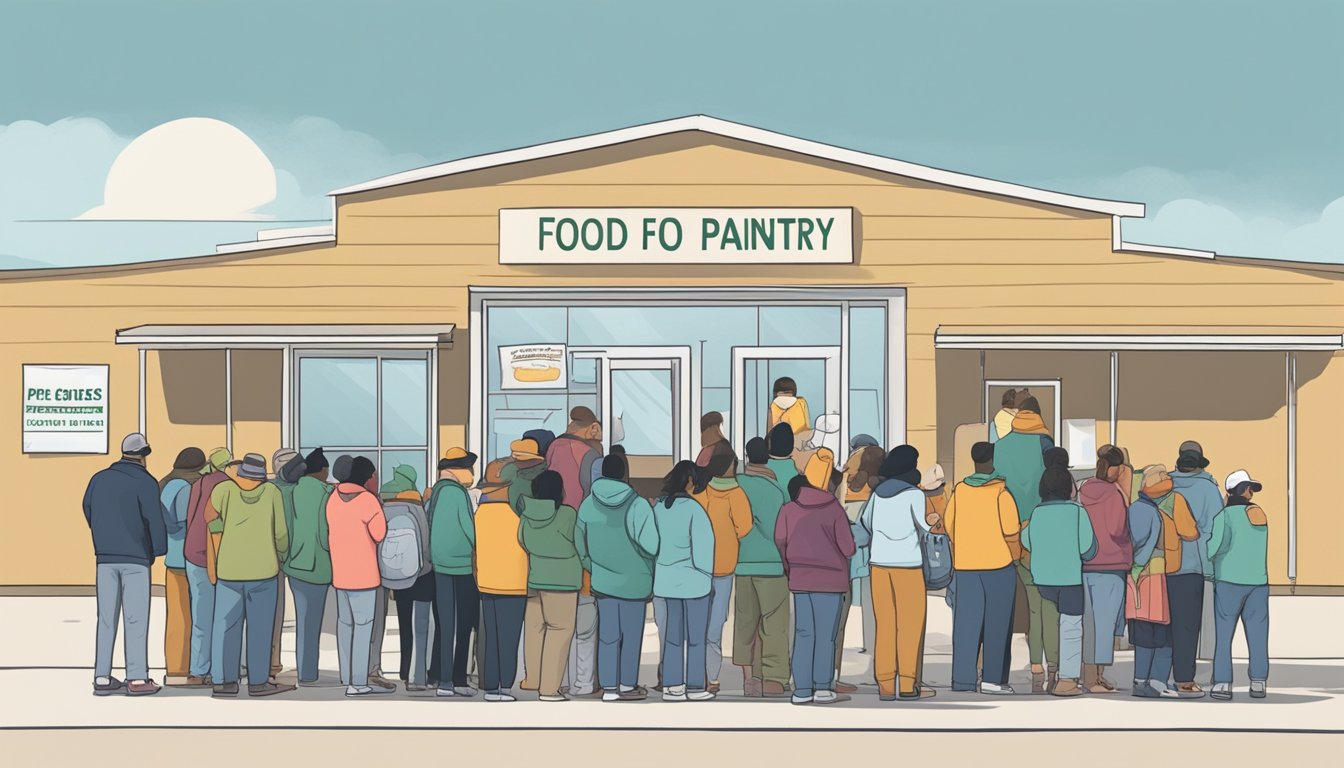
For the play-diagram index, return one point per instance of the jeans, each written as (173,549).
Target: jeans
(405,600)
(720,592)
(243,606)
(379,632)
(503,619)
(620,636)
(982,615)
(1043,622)
(580,672)
(1068,602)
(1103,615)
(817,618)
(1152,663)
(202,618)
(123,591)
(1186,594)
(459,612)
(1250,605)
(310,602)
(354,633)
(685,629)
(761,627)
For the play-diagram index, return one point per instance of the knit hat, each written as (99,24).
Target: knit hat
(582,415)
(525,449)
(819,467)
(190,458)
(316,461)
(1154,474)
(457,458)
(341,469)
(219,459)
(902,461)
(862,441)
(757,452)
(781,441)
(544,438)
(282,457)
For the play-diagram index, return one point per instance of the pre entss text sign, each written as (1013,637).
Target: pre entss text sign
(676,236)
(65,408)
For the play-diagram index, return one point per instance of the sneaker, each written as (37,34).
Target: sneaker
(108,687)
(416,687)
(224,691)
(994,689)
(553,699)
(381,684)
(828,697)
(751,687)
(771,689)
(144,687)
(1067,686)
(1151,689)
(713,686)
(800,700)
(503,695)
(1258,689)
(268,689)
(359,690)
(1189,691)
(445,692)
(465,691)
(843,687)
(1221,691)
(1163,692)
(920,692)
(674,693)
(705,695)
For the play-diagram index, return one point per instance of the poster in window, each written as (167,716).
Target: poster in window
(533,366)
(65,408)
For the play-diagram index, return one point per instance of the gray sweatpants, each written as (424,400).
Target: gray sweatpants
(581,671)
(123,590)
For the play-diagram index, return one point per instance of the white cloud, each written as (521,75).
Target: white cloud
(1197,224)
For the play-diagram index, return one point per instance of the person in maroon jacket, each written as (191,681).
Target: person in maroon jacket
(199,587)
(1104,575)
(574,454)
(815,544)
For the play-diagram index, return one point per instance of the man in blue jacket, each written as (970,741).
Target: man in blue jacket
(126,519)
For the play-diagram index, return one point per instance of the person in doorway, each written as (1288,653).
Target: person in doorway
(617,540)
(780,446)
(1238,549)
(1019,457)
(1002,423)
(761,611)
(356,525)
(307,565)
(1197,487)
(787,407)
(894,522)
(198,568)
(1104,575)
(711,434)
(253,541)
(126,522)
(452,541)
(554,576)
(729,512)
(1158,522)
(860,474)
(501,578)
(1060,539)
(287,466)
(528,462)
(682,578)
(983,525)
(175,495)
(573,454)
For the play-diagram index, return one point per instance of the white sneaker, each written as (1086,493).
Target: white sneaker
(611,696)
(554,699)
(674,693)
(464,690)
(796,699)
(1258,689)
(1163,692)
(994,689)
(1221,691)
(700,696)
(445,692)
(358,690)
(499,696)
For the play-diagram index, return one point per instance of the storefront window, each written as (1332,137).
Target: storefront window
(338,401)
(641,402)
(868,372)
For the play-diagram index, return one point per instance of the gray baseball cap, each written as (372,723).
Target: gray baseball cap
(135,444)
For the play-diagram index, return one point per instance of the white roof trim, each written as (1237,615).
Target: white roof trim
(753,135)
(1167,250)
(327,229)
(1324,342)
(226,336)
(263,244)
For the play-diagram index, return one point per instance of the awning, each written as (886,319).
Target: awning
(1120,338)
(263,336)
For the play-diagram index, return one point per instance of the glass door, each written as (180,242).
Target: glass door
(815,372)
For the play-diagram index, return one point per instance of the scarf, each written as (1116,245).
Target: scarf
(1029,423)
(760,470)
(723,483)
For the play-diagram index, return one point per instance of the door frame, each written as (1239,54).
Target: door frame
(685,399)
(1053,384)
(832,358)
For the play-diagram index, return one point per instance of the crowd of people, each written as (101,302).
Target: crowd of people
(550,550)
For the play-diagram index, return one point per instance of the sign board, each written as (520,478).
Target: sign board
(676,236)
(533,366)
(65,408)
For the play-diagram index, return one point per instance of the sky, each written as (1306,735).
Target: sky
(138,129)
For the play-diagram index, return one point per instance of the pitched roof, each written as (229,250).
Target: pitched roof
(753,135)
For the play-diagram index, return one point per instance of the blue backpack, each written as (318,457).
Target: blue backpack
(937,551)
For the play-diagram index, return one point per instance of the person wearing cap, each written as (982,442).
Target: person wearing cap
(1019,457)
(780,444)
(1238,548)
(126,522)
(761,610)
(893,520)
(983,525)
(711,434)
(287,464)
(573,454)
(1107,506)
(404,484)
(858,477)
(1188,585)
(452,540)
(355,526)
(174,494)
(786,407)
(528,462)
(307,565)
(1002,423)
(554,577)
(200,582)
(253,541)
(729,512)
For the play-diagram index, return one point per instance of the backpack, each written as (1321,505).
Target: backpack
(937,551)
(401,554)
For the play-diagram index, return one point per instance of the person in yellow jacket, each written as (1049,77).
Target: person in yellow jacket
(730,516)
(788,408)
(501,578)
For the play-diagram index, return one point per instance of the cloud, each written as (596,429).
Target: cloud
(1198,224)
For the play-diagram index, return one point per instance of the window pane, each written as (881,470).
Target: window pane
(405,402)
(509,416)
(800,326)
(414,459)
(641,402)
(868,372)
(338,401)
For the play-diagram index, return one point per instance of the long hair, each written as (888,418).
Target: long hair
(684,473)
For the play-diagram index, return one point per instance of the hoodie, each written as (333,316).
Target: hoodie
(355,524)
(519,476)
(685,563)
(982,523)
(546,533)
(254,535)
(308,559)
(1201,494)
(785,470)
(1059,540)
(617,540)
(452,532)
(894,520)
(730,514)
(125,516)
(757,554)
(501,563)
(815,543)
(403,479)
(1108,511)
(1019,457)
(193,546)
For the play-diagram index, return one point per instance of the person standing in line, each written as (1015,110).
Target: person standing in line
(788,408)
(199,578)
(452,541)
(528,462)
(307,565)
(1105,574)
(761,611)
(1238,548)
(253,541)
(287,468)
(780,446)
(617,540)
(894,522)
(356,525)
(1158,522)
(983,525)
(729,512)
(815,544)
(860,475)
(501,578)
(554,576)
(573,454)
(408,543)
(175,495)
(683,577)
(1019,457)
(1002,423)
(1187,586)
(711,434)
(126,522)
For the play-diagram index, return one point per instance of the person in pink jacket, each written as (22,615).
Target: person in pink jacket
(356,525)
(1104,575)
(815,544)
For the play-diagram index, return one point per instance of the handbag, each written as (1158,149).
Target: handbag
(1146,597)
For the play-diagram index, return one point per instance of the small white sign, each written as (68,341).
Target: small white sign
(676,236)
(65,408)
(533,366)
(1080,439)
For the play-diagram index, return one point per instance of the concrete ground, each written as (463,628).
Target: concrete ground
(46,654)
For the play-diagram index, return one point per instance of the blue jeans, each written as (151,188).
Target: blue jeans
(684,640)
(982,615)
(816,620)
(202,618)
(720,590)
(354,633)
(1103,615)
(620,634)
(502,616)
(240,604)
(123,592)
(1250,605)
(310,602)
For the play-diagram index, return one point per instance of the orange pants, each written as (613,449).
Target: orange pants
(177,629)
(899,609)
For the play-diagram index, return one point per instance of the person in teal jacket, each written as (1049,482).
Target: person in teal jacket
(307,565)
(1239,549)
(761,613)
(780,446)
(452,538)
(682,576)
(1060,538)
(617,540)
(554,576)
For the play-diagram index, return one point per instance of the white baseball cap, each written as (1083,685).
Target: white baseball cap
(1241,477)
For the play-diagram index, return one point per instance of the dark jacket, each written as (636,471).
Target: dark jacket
(125,515)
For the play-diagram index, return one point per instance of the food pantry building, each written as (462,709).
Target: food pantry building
(658,272)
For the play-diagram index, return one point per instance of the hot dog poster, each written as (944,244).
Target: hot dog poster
(533,366)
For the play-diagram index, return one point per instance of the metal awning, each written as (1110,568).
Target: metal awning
(275,336)
(1122,338)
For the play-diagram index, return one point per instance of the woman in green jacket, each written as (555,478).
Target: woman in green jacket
(554,576)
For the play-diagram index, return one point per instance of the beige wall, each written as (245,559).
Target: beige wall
(407,255)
